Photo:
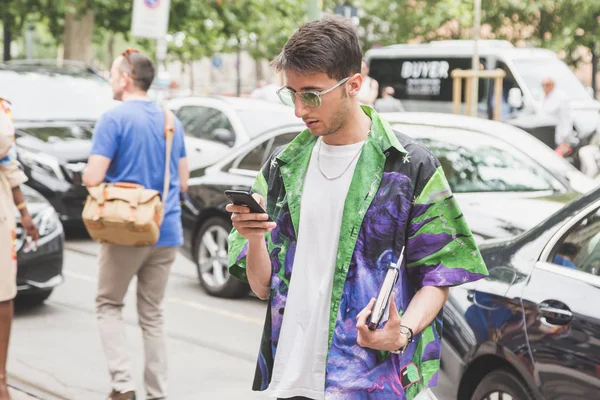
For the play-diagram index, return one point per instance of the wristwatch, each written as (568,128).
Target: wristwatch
(406,331)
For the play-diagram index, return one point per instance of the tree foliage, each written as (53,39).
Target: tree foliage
(262,26)
(555,24)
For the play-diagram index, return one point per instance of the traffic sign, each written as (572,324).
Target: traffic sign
(150,18)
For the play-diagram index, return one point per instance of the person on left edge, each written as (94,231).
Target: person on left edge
(11,177)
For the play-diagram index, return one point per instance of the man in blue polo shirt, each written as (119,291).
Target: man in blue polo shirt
(129,146)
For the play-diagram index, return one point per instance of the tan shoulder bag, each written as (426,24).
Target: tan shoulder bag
(127,213)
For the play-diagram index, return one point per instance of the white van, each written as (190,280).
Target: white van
(421,77)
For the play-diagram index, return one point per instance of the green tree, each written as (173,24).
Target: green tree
(554,24)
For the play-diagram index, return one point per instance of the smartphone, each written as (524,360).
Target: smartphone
(241,198)
(382,303)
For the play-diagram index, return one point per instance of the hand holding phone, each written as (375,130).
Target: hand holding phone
(248,215)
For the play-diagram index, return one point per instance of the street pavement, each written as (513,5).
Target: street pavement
(55,350)
(212,343)
(18,395)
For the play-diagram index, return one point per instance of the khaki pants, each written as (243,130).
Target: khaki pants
(117,266)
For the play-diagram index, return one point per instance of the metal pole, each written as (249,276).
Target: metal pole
(594,70)
(238,86)
(29,41)
(161,54)
(594,48)
(475,60)
(314,9)
(7,34)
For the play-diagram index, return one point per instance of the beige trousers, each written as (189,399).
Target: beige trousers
(117,266)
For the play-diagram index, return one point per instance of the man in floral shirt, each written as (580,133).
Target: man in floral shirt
(346,196)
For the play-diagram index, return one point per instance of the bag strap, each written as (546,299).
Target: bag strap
(169,133)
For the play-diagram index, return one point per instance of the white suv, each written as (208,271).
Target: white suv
(213,124)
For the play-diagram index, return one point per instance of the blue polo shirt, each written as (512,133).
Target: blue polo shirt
(132,136)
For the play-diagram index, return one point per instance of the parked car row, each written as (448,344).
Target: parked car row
(529,330)
(503,189)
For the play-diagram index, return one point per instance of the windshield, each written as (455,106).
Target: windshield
(48,95)
(475,162)
(258,121)
(50,134)
(534,70)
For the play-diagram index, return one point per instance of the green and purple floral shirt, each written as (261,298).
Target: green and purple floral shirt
(398,197)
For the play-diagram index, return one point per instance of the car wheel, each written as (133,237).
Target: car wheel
(33,299)
(501,384)
(211,247)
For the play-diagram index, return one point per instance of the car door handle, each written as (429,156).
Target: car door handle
(555,315)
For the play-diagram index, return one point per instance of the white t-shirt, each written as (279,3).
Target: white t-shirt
(299,367)
(556,106)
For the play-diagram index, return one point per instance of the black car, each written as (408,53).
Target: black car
(531,330)
(502,190)
(54,109)
(206,224)
(39,270)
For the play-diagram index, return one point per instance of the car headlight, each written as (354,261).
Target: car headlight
(41,163)
(46,221)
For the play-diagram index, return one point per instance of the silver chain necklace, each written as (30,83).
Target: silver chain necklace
(332,178)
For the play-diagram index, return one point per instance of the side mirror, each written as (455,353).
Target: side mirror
(515,98)
(224,136)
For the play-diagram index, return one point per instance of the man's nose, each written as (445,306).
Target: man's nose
(300,108)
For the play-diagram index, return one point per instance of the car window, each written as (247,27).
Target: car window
(580,248)
(509,82)
(200,121)
(566,81)
(476,162)
(52,134)
(255,159)
(282,140)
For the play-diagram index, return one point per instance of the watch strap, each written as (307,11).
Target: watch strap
(409,337)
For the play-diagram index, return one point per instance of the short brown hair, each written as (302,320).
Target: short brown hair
(143,69)
(329,45)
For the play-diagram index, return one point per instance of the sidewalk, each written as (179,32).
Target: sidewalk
(18,395)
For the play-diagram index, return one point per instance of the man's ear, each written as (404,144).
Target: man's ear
(354,84)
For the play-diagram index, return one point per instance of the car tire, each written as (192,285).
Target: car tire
(33,299)
(501,384)
(210,249)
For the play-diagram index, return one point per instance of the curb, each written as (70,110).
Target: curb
(33,390)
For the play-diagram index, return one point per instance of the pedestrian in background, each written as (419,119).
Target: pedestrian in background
(387,102)
(556,106)
(11,177)
(128,144)
(369,89)
(346,196)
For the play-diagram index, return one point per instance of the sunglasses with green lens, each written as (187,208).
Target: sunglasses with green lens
(310,99)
